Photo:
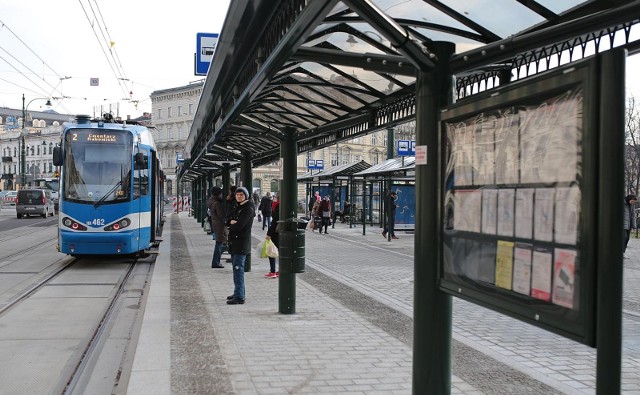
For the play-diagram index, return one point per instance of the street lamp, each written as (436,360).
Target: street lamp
(23,149)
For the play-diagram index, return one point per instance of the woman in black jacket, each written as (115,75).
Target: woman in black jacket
(275,238)
(239,223)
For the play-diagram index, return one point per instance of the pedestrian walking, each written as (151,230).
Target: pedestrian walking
(256,199)
(629,219)
(315,213)
(265,209)
(239,224)
(217,225)
(325,211)
(391,215)
(273,235)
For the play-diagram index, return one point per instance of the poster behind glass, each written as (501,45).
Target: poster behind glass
(512,202)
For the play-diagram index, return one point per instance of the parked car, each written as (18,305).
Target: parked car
(34,202)
(9,199)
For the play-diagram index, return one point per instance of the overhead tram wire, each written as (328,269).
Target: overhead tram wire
(102,47)
(112,49)
(4,26)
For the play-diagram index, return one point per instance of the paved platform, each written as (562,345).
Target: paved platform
(352,331)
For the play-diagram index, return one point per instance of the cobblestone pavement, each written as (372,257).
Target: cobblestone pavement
(352,331)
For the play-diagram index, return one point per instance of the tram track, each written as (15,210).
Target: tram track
(74,314)
(92,347)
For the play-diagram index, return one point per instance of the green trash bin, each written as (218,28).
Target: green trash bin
(292,251)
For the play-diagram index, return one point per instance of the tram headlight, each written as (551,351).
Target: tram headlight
(71,224)
(123,223)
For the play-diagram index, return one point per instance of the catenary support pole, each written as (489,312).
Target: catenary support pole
(432,308)
(610,215)
(247,182)
(288,201)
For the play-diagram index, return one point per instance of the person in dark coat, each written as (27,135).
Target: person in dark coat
(391,215)
(217,225)
(629,218)
(325,212)
(265,208)
(239,224)
(275,238)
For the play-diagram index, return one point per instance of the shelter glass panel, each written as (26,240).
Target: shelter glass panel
(502,17)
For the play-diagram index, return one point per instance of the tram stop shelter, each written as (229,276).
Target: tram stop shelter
(393,174)
(293,76)
(335,182)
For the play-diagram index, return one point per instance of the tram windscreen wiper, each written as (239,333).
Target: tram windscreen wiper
(102,199)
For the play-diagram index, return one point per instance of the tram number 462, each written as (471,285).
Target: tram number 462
(97,222)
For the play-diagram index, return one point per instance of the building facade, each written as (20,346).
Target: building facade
(42,133)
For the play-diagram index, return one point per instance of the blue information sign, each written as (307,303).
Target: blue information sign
(319,164)
(205,48)
(403,147)
(311,164)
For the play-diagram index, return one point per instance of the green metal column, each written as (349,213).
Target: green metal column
(610,214)
(247,182)
(432,308)
(390,142)
(288,201)
(365,206)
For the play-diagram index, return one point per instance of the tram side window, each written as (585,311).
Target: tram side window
(141,179)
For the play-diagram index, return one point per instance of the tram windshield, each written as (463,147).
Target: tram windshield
(97,165)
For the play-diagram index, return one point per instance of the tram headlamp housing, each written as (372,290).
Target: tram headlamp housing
(71,224)
(123,223)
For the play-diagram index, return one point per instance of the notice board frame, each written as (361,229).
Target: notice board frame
(469,245)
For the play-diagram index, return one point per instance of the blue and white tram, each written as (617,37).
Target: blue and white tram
(111,189)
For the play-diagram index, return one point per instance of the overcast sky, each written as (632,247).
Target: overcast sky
(153,48)
(143,46)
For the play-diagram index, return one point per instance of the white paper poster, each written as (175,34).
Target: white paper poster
(522,268)
(543,214)
(567,214)
(524,213)
(506,212)
(541,274)
(564,277)
(489,211)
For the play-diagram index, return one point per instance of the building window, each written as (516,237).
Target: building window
(15,151)
(374,141)
(169,133)
(38,149)
(169,112)
(159,113)
(180,111)
(190,108)
(334,159)
(50,148)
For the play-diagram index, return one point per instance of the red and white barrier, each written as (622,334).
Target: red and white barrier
(185,203)
(174,204)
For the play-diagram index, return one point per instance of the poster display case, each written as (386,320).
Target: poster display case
(519,176)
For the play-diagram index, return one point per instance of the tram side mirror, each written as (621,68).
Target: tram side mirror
(57,156)
(141,161)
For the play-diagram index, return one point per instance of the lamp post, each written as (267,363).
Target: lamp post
(23,149)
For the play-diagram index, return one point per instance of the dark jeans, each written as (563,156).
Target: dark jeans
(627,235)
(266,221)
(390,228)
(326,221)
(272,264)
(217,253)
(237,261)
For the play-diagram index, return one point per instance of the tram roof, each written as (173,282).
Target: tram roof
(333,70)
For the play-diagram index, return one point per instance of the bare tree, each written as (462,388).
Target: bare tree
(632,145)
